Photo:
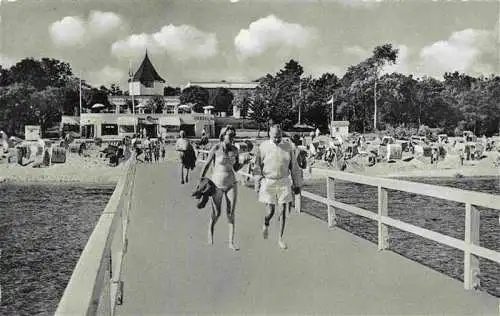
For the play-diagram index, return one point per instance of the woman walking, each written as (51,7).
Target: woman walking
(224,157)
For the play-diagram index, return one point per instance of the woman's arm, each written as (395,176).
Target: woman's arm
(211,157)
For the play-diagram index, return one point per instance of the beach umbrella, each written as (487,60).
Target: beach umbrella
(209,107)
(98,106)
(184,107)
(140,106)
(302,127)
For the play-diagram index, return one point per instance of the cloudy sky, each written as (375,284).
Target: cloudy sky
(194,40)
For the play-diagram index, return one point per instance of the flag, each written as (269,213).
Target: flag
(330,101)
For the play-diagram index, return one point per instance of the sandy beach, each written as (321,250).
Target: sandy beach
(76,169)
(419,168)
(93,169)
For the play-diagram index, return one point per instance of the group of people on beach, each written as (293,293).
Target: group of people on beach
(277,177)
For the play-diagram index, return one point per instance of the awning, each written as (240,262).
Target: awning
(126,120)
(70,120)
(187,120)
(169,121)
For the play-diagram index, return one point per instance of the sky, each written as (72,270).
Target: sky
(240,40)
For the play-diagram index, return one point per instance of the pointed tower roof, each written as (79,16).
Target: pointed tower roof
(147,72)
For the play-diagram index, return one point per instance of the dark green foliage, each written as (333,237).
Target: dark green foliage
(196,95)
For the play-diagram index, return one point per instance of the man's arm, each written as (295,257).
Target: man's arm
(257,170)
(295,171)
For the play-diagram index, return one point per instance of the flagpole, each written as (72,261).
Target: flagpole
(131,92)
(80,107)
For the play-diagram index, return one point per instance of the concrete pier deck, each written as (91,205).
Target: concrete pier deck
(170,269)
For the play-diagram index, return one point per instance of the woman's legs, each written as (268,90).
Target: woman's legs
(216,209)
(231,197)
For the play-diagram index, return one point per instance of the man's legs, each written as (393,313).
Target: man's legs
(282,229)
(270,212)
(182,173)
(187,175)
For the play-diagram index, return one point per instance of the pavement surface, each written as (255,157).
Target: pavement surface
(170,269)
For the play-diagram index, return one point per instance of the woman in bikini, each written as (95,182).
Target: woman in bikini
(224,157)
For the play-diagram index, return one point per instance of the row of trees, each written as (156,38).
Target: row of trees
(40,91)
(459,101)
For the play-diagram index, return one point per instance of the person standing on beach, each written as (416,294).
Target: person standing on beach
(225,159)
(274,164)
(181,146)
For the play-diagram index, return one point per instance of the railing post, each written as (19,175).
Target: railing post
(471,262)
(383,230)
(330,196)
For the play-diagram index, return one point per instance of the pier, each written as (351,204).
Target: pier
(148,255)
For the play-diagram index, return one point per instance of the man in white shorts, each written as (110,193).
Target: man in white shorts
(274,165)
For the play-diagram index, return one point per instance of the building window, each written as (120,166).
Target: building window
(149,84)
(109,129)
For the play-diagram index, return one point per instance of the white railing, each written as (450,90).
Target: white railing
(95,287)
(470,245)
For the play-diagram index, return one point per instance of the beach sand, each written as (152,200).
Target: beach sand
(417,167)
(76,169)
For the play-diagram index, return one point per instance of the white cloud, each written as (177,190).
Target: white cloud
(462,51)
(186,42)
(103,23)
(75,31)
(182,42)
(106,76)
(271,33)
(6,61)
(358,52)
(69,31)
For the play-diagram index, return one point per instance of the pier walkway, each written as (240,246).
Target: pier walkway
(169,268)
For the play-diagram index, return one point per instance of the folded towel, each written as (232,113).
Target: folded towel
(204,190)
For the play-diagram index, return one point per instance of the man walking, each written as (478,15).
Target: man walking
(274,164)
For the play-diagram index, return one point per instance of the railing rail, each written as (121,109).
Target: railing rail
(95,286)
(470,245)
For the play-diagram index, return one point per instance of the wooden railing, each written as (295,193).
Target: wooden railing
(470,245)
(95,287)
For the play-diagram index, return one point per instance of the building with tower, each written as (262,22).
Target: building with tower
(144,85)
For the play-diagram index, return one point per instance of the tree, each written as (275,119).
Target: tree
(196,95)
(244,102)
(114,89)
(314,97)
(281,93)
(156,104)
(15,104)
(95,96)
(171,91)
(260,112)
(46,107)
(41,73)
(222,100)
(360,85)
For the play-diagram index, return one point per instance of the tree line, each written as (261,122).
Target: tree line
(457,102)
